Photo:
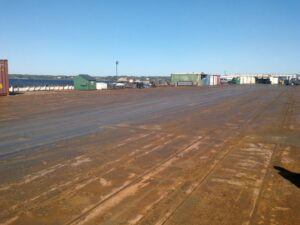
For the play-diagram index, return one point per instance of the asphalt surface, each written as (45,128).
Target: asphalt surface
(45,129)
(211,155)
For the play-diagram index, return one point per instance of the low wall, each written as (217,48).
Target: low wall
(40,88)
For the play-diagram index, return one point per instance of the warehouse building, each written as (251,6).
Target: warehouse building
(194,79)
(84,82)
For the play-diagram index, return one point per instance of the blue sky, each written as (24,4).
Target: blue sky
(150,37)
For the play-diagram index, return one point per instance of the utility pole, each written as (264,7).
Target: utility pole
(117,63)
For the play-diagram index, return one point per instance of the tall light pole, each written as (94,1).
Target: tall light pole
(117,63)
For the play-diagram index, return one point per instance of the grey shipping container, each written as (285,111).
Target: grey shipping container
(4,85)
(184,83)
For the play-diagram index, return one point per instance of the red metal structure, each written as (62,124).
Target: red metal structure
(4,85)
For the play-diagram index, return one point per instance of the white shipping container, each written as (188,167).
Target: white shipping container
(247,80)
(211,80)
(101,86)
(215,80)
(274,80)
(242,80)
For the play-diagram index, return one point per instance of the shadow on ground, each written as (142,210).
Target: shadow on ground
(294,178)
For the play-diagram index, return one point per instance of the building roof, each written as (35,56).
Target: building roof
(87,77)
(188,73)
(123,79)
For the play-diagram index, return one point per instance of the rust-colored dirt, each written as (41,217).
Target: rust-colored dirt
(220,155)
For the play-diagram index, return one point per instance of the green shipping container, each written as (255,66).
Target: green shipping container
(195,78)
(84,83)
(235,80)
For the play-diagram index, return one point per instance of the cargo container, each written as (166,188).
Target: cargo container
(215,80)
(235,80)
(219,80)
(84,83)
(243,80)
(212,80)
(274,80)
(247,80)
(101,86)
(194,78)
(206,80)
(263,80)
(201,82)
(4,85)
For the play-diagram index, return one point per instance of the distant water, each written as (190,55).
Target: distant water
(32,83)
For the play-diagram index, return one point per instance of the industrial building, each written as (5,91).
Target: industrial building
(4,83)
(194,79)
(84,82)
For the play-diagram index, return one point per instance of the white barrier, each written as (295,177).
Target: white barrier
(40,88)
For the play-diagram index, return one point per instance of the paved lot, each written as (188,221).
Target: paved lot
(219,155)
